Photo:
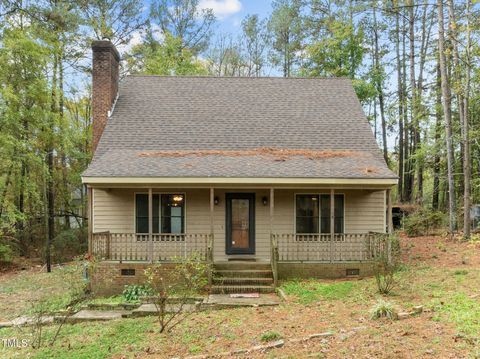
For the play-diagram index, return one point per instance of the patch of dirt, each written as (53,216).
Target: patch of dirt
(276,154)
(440,251)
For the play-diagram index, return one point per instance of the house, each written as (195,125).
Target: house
(264,177)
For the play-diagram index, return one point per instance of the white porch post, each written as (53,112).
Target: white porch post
(210,244)
(332,222)
(90,219)
(389,212)
(272,207)
(150,222)
(212,208)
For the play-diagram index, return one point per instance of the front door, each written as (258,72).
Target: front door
(240,223)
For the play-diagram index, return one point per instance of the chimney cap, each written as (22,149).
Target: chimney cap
(105,45)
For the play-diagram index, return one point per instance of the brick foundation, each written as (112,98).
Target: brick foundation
(322,270)
(107,278)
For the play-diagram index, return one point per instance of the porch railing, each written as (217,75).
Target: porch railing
(345,247)
(143,247)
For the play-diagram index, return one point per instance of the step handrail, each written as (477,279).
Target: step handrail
(274,255)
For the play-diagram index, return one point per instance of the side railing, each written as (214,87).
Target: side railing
(274,258)
(341,247)
(209,258)
(139,247)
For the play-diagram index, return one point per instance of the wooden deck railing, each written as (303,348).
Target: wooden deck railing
(143,247)
(345,247)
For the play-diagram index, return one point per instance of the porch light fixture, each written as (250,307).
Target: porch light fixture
(265,200)
(177,198)
(216,200)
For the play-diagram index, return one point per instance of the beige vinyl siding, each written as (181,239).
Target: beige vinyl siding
(365,211)
(114,209)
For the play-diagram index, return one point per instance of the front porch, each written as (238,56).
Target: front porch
(226,223)
(252,236)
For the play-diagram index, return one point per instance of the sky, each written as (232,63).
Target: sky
(229,13)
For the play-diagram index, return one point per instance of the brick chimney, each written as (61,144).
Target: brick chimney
(105,68)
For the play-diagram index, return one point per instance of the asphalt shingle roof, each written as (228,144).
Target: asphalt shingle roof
(157,120)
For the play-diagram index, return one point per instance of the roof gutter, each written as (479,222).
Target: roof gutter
(240,180)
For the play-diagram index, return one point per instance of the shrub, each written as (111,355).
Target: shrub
(133,293)
(187,276)
(68,244)
(387,263)
(270,336)
(383,309)
(422,222)
(6,253)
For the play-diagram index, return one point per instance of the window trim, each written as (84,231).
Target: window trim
(184,194)
(295,194)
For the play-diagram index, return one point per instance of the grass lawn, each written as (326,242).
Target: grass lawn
(442,276)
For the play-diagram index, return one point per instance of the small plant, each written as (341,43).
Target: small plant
(133,293)
(386,265)
(461,272)
(441,247)
(384,309)
(270,336)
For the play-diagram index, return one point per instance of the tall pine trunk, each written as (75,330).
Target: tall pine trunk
(467,171)
(379,86)
(50,165)
(438,126)
(446,94)
(400,106)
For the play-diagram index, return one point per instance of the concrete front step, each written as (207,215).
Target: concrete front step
(227,289)
(244,273)
(242,265)
(242,281)
(86,315)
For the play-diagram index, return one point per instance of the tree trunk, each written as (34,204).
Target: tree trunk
(406,126)
(414,164)
(447,118)
(438,126)
(400,107)
(379,86)
(50,165)
(61,105)
(456,74)
(466,136)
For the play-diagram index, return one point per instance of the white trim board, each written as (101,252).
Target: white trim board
(239,180)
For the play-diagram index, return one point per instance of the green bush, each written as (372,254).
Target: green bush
(6,253)
(133,293)
(422,222)
(69,244)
